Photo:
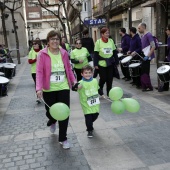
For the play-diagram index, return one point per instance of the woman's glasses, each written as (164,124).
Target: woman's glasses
(34,43)
(78,43)
(54,39)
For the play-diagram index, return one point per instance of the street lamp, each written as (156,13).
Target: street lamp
(32,35)
(79,8)
(61,31)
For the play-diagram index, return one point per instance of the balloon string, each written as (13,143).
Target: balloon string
(107,99)
(45,102)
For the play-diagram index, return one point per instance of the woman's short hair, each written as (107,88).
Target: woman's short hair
(103,30)
(53,33)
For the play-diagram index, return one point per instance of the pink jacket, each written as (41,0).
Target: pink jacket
(43,69)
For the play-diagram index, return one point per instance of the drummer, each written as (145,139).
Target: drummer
(135,48)
(125,44)
(167,59)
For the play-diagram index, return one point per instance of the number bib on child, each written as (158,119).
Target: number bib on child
(93,100)
(107,50)
(57,77)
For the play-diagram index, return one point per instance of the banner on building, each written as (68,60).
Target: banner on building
(95,22)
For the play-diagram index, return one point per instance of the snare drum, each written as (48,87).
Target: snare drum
(11,64)
(2,74)
(2,67)
(164,73)
(3,86)
(134,69)
(120,56)
(8,70)
(126,61)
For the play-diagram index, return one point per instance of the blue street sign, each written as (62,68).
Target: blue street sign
(95,22)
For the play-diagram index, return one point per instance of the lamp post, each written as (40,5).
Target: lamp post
(79,8)
(61,32)
(64,21)
(32,35)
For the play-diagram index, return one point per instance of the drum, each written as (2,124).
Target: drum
(126,61)
(120,56)
(164,73)
(11,64)
(8,70)
(3,86)
(2,74)
(134,69)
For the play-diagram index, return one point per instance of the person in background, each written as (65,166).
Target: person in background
(147,42)
(65,45)
(165,86)
(54,78)
(88,90)
(135,48)
(38,39)
(2,53)
(32,59)
(105,56)
(80,57)
(125,44)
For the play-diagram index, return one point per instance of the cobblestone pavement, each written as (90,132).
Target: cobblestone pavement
(138,141)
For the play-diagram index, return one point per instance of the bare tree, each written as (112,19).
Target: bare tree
(12,6)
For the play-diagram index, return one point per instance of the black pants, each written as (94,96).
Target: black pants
(52,98)
(89,119)
(106,76)
(96,72)
(78,74)
(34,77)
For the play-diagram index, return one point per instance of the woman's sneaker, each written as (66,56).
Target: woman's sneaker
(53,128)
(90,134)
(65,144)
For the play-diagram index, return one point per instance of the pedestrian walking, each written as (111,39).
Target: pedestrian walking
(80,57)
(65,45)
(125,44)
(105,57)
(148,46)
(54,80)
(32,59)
(88,90)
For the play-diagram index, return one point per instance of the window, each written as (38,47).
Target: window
(36,25)
(85,6)
(32,3)
(45,13)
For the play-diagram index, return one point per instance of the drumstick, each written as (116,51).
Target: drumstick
(140,56)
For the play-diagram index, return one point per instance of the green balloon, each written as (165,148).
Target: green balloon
(117,107)
(59,111)
(131,105)
(115,93)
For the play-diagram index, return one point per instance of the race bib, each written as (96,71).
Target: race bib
(93,100)
(107,50)
(57,77)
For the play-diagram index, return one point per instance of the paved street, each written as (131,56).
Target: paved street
(131,141)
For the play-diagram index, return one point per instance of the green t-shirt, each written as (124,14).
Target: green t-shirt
(33,55)
(105,50)
(89,97)
(67,46)
(58,80)
(80,54)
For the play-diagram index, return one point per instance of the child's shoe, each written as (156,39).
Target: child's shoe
(90,134)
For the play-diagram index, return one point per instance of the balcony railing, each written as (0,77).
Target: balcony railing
(98,9)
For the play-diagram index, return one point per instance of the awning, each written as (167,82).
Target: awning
(150,3)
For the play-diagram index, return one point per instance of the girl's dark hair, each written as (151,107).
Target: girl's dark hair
(103,30)
(168,27)
(37,42)
(53,33)
(88,67)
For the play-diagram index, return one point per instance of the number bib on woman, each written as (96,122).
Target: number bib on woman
(105,50)
(89,97)
(58,79)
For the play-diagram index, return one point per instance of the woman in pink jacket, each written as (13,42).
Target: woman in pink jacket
(54,79)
